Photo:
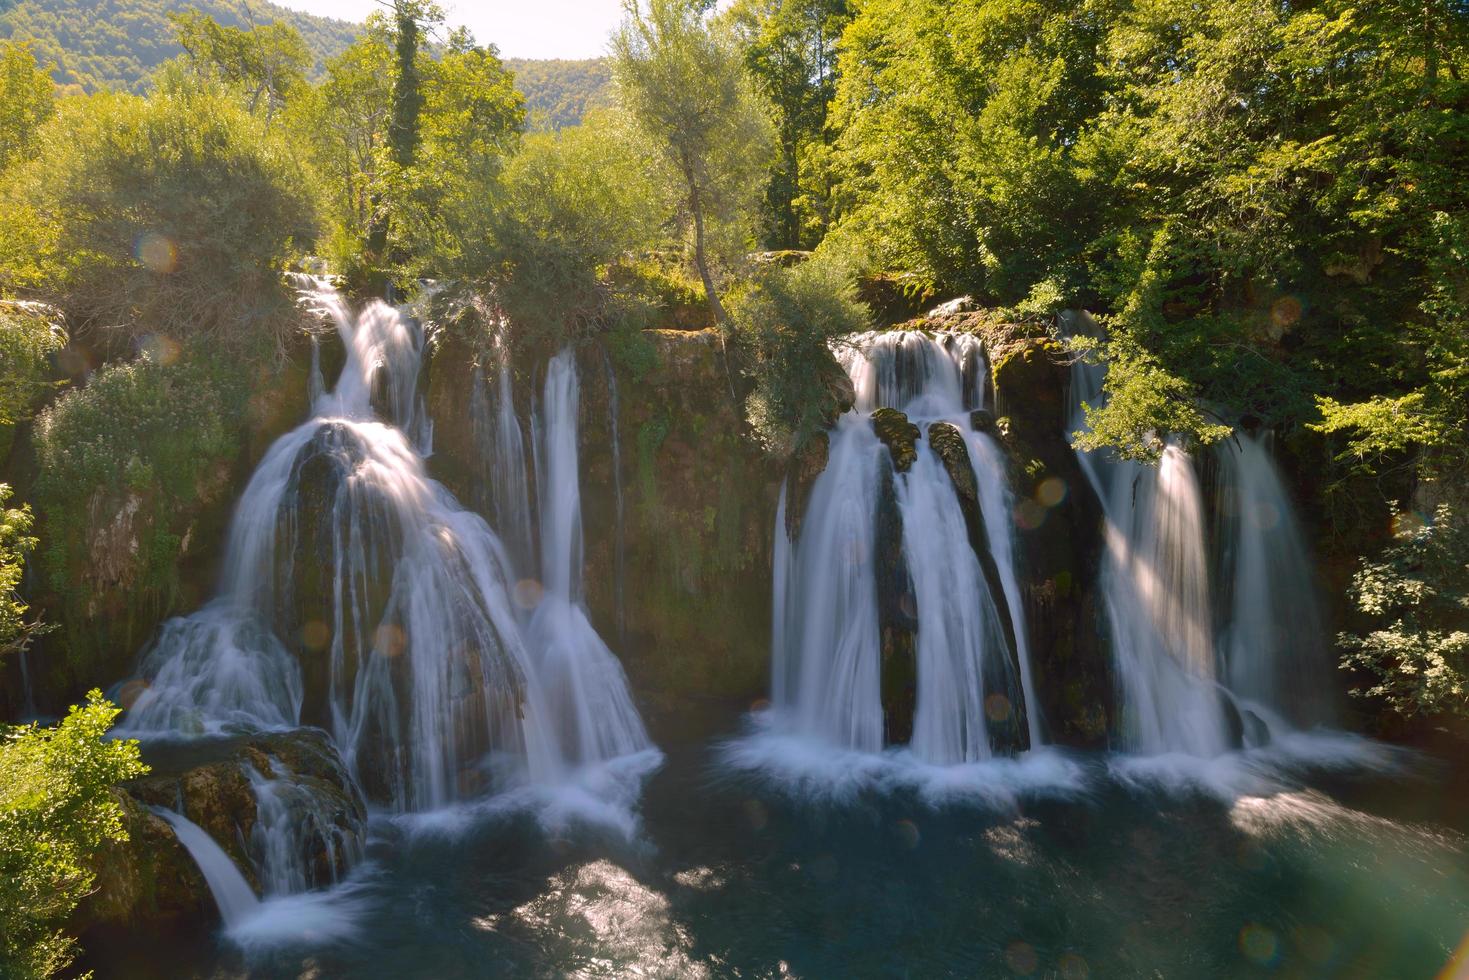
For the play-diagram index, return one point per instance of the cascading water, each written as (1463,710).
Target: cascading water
(1185,685)
(827,642)
(1155,589)
(358,595)
(290,823)
(577,674)
(1273,643)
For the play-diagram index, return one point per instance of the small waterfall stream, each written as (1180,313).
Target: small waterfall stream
(968,625)
(232,893)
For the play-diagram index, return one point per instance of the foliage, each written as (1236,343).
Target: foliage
(788,322)
(118,44)
(958,155)
(152,431)
(571,204)
(168,216)
(410,158)
(790,48)
(29,336)
(56,812)
(27,99)
(682,80)
(559,92)
(15,544)
(266,64)
(1415,597)
(1281,177)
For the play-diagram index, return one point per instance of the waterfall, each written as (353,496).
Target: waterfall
(1191,672)
(1155,590)
(828,658)
(237,902)
(1274,643)
(357,594)
(831,584)
(580,678)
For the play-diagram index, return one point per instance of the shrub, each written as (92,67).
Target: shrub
(149,432)
(169,215)
(56,812)
(1416,598)
(15,544)
(787,322)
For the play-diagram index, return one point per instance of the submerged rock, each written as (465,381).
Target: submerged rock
(899,435)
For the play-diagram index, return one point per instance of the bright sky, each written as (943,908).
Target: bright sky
(519,28)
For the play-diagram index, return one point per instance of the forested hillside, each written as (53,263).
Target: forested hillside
(116,44)
(558,92)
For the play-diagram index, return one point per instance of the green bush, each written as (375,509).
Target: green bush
(162,216)
(15,544)
(147,430)
(786,323)
(28,338)
(572,203)
(56,812)
(1415,597)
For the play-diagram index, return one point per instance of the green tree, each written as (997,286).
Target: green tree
(572,204)
(56,812)
(343,121)
(959,154)
(15,544)
(265,63)
(790,48)
(27,99)
(1283,185)
(683,80)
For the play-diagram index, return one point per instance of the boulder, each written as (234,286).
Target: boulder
(899,435)
(209,781)
(1009,733)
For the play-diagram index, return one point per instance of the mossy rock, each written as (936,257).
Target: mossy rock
(806,464)
(899,435)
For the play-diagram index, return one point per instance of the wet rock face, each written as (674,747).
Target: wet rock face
(899,435)
(691,616)
(210,783)
(806,464)
(150,877)
(1059,522)
(145,880)
(1009,733)
(897,618)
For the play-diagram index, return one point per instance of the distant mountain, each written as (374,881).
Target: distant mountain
(118,43)
(559,92)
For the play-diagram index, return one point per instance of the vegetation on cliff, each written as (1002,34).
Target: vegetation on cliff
(1414,599)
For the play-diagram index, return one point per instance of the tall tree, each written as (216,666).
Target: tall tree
(27,99)
(790,47)
(683,80)
(265,63)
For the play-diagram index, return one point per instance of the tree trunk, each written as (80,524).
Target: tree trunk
(701,260)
